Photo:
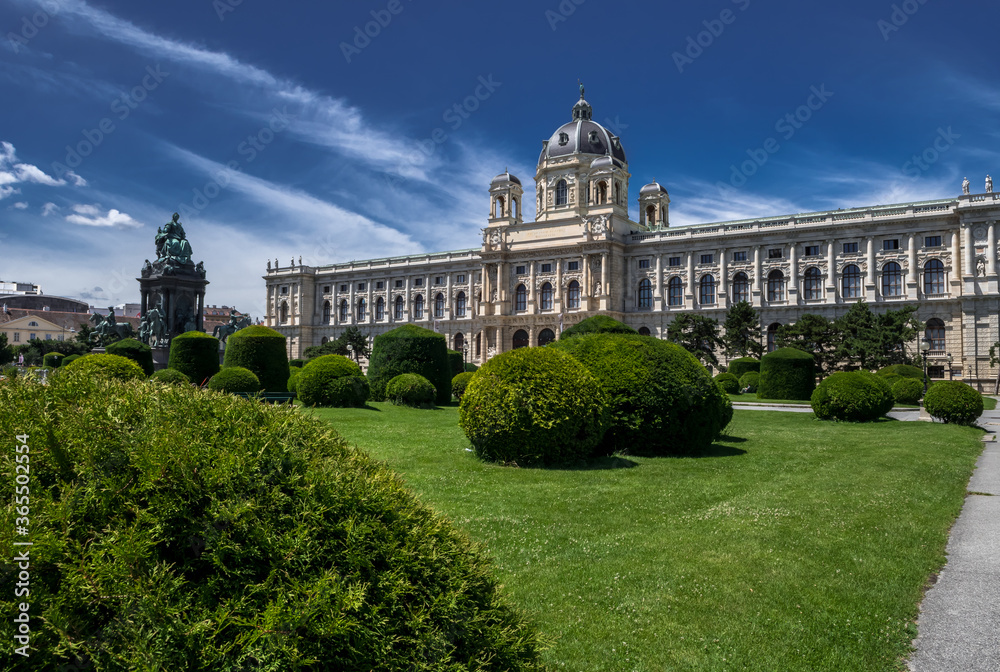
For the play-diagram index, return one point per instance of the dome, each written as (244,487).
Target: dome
(583,135)
(604,162)
(503,178)
(653,188)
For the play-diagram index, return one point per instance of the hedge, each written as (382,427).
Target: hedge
(175,530)
(787,373)
(410,349)
(70,359)
(907,390)
(172,376)
(598,324)
(954,402)
(293,379)
(457,362)
(331,381)
(852,396)
(52,359)
(411,389)
(533,406)
(729,383)
(296,363)
(107,366)
(235,380)
(903,370)
(661,400)
(137,351)
(749,382)
(459,383)
(196,355)
(261,350)
(470,367)
(743,365)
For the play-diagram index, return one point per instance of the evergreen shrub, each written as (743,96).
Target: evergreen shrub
(729,383)
(470,367)
(743,365)
(108,366)
(852,396)
(455,360)
(175,530)
(787,373)
(331,380)
(954,402)
(296,363)
(533,406)
(411,389)
(293,379)
(459,383)
(749,381)
(598,324)
(172,376)
(727,412)
(52,359)
(410,349)
(196,355)
(69,359)
(902,370)
(137,351)
(261,350)
(235,380)
(661,400)
(907,390)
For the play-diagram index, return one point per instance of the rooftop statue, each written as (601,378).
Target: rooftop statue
(989,184)
(965,186)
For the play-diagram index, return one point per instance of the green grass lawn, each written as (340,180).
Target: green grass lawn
(796,545)
(989,403)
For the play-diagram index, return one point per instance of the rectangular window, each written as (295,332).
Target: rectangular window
(361,286)
(343,288)
(932,241)
(48,337)
(284,290)
(459,278)
(546,268)
(812,250)
(520,270)
(31,337)
(380,285)
(740,256)
(573,266)
(17,336)
(890,244)
(437,280)
(707,258)
(326,289)
(399,283)
(674,261)
(644,263)
(935,372)
(850,248)
(419,282)
(774,253)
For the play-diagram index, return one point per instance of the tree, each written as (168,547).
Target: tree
(815,335)
(352,336)
(6,352)
(896,329)
(871,341)
(743,333)
(37,348)
(697,334)
(83,334)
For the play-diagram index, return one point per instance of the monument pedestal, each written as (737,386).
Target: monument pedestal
(161,357)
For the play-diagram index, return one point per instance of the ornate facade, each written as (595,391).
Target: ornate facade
(583,255)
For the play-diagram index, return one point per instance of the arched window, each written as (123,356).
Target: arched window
(935,333)
(439,305)
(418,307)
(515,211)
(460,305)
(812,288)
(650,214)
(499,207)
(397,311)
(344,309)
(775,286)
(618,194)
(772,336)
(362,310)
(324,340)
(741,288)
(645,298)
(327,310)
(283,313)
(934,277)
(706,291)
(521,339)
(561,192)
(675,292)
(546,296)
(459,342)
(546,336)
(892,280)
(602,192)
(850,283)
(521,299)
(380,309)
(479,344)
(573,295)
(644,331)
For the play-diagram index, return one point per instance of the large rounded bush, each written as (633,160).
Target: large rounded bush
(459,383)
(744,365)
(196,355)
(52,359)
(456,361)
(749,382)
(907,390)
(787,373)
(411,389)
(293,379)
(108,366)
(661,400)
(470,367)
(137,351)
(332,380)
(598,324)
(235,380)
(852,396)
(410,349)
(261,350)
(729,383)
(533,406)
(902,370)
(175,530)
(70,359)
(172,376)
(954,402)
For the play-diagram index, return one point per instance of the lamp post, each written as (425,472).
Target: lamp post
(950,360)
(465,356)
(925,346)
(350,351)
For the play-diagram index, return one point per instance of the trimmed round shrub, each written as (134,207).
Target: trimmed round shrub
(470,367)
(727,412)
(749,381)
(410,349)
(293,379)
(456,361)
(70,359)
(852,396)
(459,383)
(743,365)
(411,389)
(787,373)
(265,543)
(954,402)
(331,380)
(296,363)
(907,391)
(235,380)
(261,350)
(533,406)
(903,370)
(661,400)
(172,376)
(598,324)
(108,366)
(137,351)
(196,355)
(729,383)
(52,359)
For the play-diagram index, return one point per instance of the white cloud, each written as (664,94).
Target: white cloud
(49,208)
(90,215)
(12,172)
(7,191)
(20,205)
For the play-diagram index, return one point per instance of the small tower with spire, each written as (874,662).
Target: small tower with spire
(505,199)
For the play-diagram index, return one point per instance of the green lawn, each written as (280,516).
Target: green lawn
(989,403)
(797,545)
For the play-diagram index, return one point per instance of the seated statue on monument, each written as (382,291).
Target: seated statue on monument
(172,246)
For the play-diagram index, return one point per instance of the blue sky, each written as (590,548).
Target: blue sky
(278,131)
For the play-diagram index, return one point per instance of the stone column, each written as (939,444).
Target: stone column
(722,299)
(912,275)
(658,286)
(793,261)
(559,282)
(604,274)
(200,316)
(531,288)
(407,301)
(352,307)
(831,271)
(755,290)
(969,267)
(991,249)
(956,263)
(585,290)
(870,283)
(690,283)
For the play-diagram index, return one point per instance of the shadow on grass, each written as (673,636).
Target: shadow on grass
(725,438)
(597,464)
(368,407)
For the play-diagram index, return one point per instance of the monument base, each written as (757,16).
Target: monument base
(161,357)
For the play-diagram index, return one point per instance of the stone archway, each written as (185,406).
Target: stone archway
(521,339)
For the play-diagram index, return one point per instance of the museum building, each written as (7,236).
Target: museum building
(582,256)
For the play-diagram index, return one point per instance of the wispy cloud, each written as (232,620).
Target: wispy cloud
(49,208)
(20,205)
(14,172)
(91,215)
